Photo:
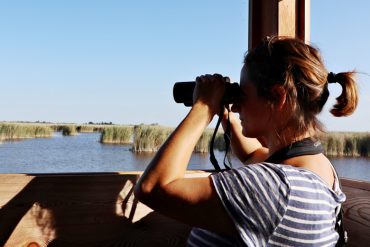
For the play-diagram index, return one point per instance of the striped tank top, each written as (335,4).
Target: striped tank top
(274,205)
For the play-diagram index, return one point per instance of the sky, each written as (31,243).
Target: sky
(117,61)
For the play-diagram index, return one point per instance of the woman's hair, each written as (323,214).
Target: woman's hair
(299,70)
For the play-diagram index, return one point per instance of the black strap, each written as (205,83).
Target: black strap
(309,146)
(227,138)
(212,154)
(339,226)
(305,146)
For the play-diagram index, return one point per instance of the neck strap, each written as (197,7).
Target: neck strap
(306,146)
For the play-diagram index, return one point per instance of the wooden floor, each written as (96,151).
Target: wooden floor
(357,212)
(100,210)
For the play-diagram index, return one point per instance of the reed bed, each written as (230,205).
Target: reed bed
(13,131)
(117,135)
(93,127)
(69,130)
(85,128)
(347,144)
(149,138)
(203,144)
(57,127)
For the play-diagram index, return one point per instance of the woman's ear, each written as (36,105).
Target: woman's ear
(279,97)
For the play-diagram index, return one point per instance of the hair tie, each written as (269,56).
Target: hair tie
(331,77)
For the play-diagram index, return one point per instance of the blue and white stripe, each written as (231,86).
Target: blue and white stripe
(274,205)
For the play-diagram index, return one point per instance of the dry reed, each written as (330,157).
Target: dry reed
(14,131)
(148,138)
(117,135)
(69,130)
(346,144)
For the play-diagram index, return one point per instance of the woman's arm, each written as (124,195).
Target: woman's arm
(248,150)
(163,187)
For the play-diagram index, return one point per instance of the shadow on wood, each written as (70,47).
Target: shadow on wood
(81,210)
(100,210)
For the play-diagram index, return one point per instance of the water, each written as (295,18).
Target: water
(84,153)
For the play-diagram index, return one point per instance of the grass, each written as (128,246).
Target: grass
(149,138)
(11,131)
(347,144)
(117,135)
(203,144)
(69,130)
(85,128)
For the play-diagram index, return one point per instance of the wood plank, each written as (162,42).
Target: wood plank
(263,20)
(357,211)
(78,210)
(100,210)
(278,17)
(303,20)
(287,18)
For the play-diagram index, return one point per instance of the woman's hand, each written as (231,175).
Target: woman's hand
(209,91)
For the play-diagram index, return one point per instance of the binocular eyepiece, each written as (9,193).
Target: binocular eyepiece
(183,92)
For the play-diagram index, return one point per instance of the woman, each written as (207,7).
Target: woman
(283,86)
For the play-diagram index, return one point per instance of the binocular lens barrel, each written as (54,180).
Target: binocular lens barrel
(183,92)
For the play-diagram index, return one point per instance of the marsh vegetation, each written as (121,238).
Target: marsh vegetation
(347,144)
(10,131)
(148,138)
(69,130)
(117,135)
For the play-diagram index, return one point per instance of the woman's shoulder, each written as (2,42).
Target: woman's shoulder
(254,178)
(304,181)
(263,170)
(270,175)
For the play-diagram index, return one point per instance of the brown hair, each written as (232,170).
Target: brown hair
(299,69)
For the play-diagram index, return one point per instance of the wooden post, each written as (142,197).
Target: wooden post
(278,17)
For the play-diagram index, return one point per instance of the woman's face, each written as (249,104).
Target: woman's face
(254,111)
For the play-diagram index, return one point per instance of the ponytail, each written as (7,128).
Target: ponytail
(348,100)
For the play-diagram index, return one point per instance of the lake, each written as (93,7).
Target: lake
(84,153)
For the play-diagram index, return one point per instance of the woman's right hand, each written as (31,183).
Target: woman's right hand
(209,91)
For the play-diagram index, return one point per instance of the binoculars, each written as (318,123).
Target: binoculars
(183,92)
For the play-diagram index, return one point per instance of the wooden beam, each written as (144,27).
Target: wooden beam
(278,17)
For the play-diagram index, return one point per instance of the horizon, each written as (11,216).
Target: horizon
(117,62)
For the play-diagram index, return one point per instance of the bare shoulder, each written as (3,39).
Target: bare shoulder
(318,163)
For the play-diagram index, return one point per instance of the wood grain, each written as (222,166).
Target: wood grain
(81,210)
(278,17)
(357,211)
(100,210)
(287,18)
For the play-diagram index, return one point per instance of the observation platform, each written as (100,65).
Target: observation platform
(100,209)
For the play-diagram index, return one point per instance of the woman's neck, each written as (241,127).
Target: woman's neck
(275,141)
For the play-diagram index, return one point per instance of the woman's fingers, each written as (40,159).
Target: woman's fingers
(209,90)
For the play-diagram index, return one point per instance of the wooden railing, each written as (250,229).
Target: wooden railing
(101,210)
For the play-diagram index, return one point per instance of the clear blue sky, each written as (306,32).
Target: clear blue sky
(81,61)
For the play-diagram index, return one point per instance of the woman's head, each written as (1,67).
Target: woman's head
(290,78)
